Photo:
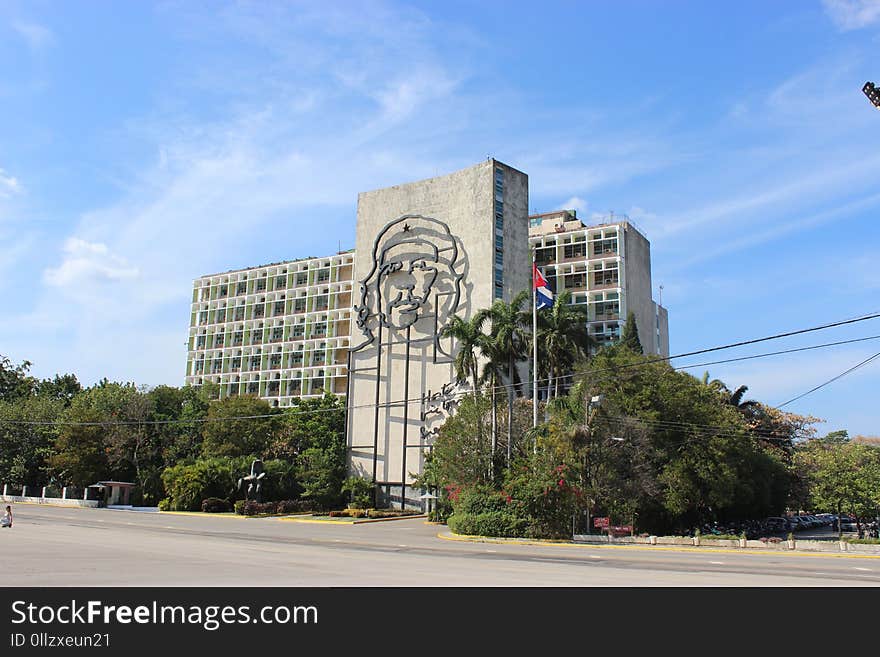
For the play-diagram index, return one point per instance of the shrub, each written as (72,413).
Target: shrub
(490,523)
(391,513)
(215,505)
(294,506)
(360,492)
(865,541)
(239,507)
(474,501)
(722,537)
(165,505)
(188,485)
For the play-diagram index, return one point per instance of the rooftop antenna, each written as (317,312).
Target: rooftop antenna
(661,296)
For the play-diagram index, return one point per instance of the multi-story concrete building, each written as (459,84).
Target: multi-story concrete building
(426,251)
(607,268)
(278,331)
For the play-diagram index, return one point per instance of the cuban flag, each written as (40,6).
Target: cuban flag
(543,291)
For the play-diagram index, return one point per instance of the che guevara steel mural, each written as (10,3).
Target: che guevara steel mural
(413,289)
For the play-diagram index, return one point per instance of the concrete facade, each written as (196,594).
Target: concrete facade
(607,268)
(365,323)
(425,251)
(278,331)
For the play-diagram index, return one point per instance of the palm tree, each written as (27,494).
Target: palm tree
(562,338)
(736,399)
(510,337)
(471,340)
(492,375)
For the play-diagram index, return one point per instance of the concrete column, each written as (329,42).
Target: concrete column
(24,491)
(5,488)
(64,493)
(86,493)
(43,492)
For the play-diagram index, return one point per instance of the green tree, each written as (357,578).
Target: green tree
(79,455)
(309,423)
(630,336)
(226,435)
(15,383)
(510,336)
(841,476)
(458,458)
(26,439)
(63,387)
(471,342)
(562,339)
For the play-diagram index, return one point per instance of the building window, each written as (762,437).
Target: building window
(280,282)
(241,288)
(575,280)
(544,255)
(577,250)
(302,279)
(605,247)
(299,306)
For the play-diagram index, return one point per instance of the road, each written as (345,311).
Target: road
(52,546)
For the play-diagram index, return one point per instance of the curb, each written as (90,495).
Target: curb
(449,536)
(318,522)
(357,521)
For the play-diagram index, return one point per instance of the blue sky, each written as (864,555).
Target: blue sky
(137,139)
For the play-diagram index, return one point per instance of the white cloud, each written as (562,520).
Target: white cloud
(8,185)
(86,263)
(38,37)
(575,203)
(853,14)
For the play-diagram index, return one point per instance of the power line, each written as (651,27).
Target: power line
(832,380)
(504,386)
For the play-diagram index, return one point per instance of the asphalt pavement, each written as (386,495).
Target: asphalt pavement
(52,546)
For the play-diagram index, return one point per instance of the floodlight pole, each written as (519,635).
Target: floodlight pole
(873,93)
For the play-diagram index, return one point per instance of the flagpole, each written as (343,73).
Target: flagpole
(534,345)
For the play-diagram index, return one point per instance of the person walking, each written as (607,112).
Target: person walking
(6,519)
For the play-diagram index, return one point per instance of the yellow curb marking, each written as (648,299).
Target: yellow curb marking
(318,522)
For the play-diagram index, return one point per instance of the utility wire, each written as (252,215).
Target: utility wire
(501,387)
(832,380)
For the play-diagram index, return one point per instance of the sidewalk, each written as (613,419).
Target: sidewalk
(685,544)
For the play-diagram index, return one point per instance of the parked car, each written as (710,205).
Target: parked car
(797,523)
(778,524)
(847,524)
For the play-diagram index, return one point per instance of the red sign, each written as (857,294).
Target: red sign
(621,529)
(600,522)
